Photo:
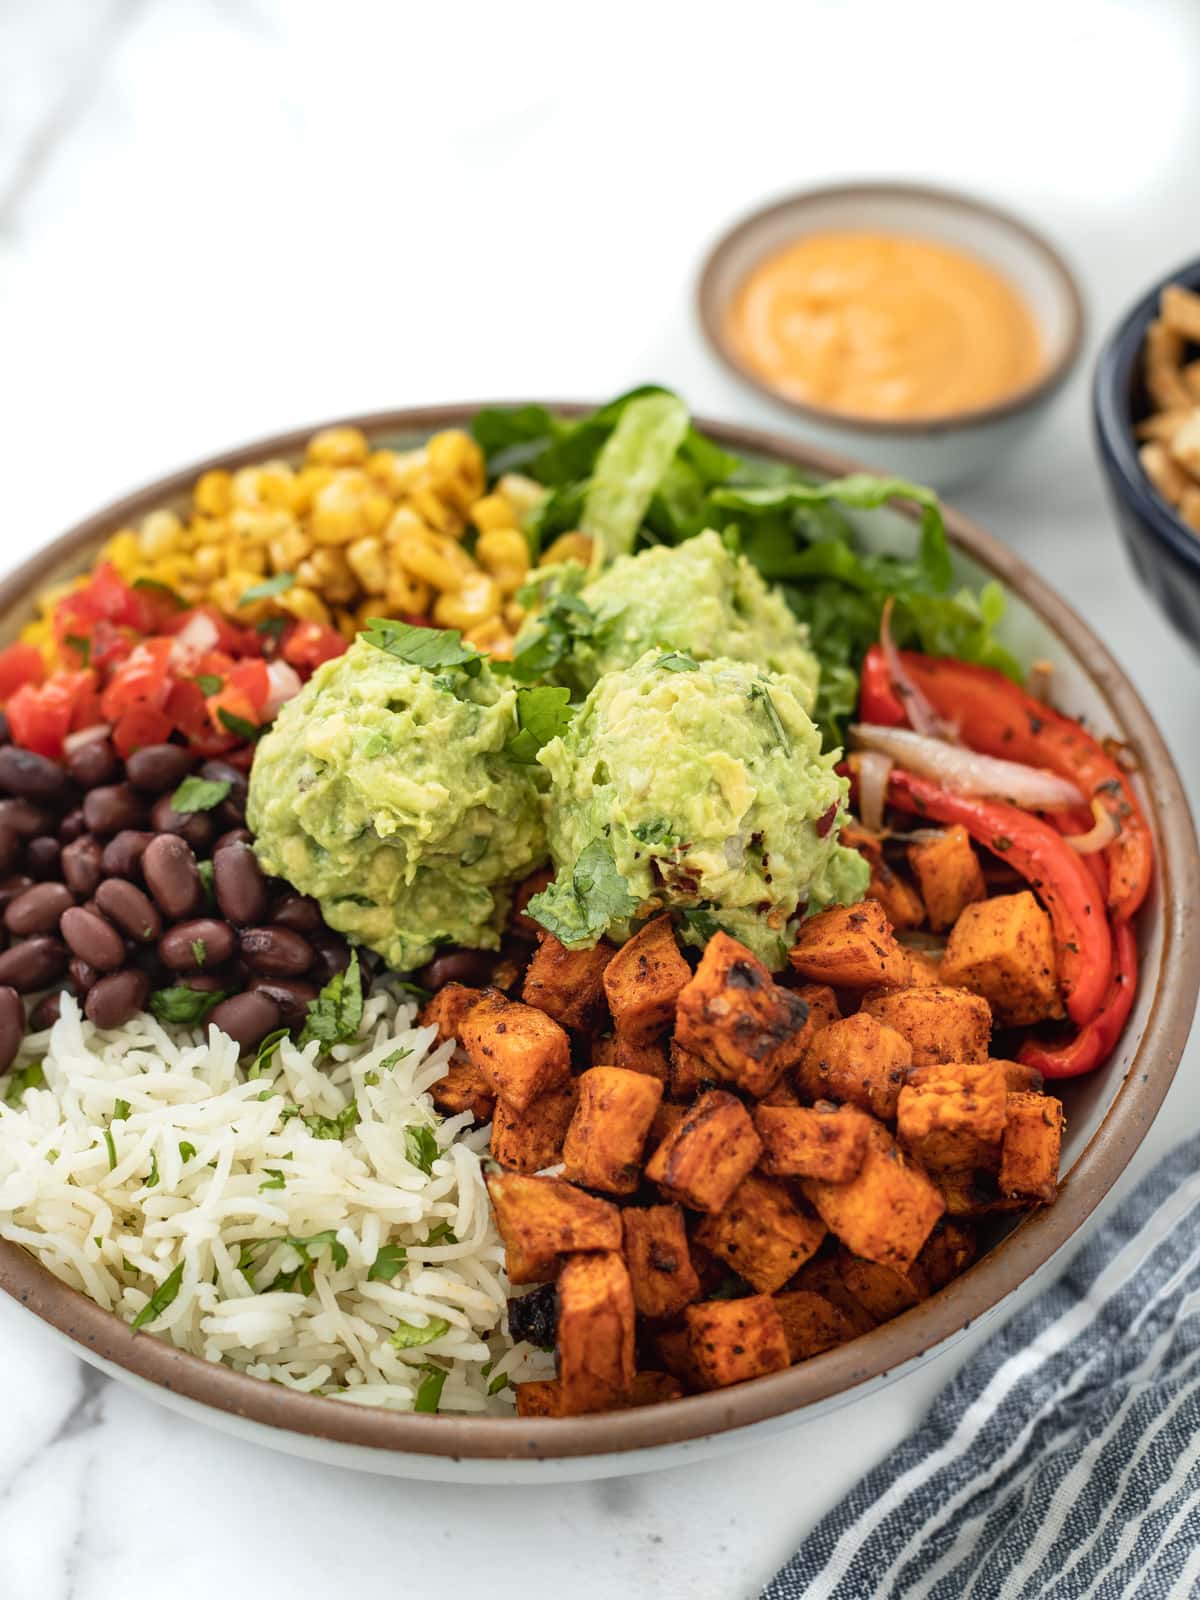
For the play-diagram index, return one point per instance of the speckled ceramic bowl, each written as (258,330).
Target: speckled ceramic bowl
(1108,1113)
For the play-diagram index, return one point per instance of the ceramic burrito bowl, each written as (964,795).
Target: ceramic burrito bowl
(1108,1113)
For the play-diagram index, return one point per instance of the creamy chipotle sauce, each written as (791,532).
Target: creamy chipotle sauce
(879,325)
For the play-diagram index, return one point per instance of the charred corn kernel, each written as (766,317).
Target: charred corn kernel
(404,523)
(276,484)
(505,554)
(456,468)
(476,600)
(309,482)
(369,564)
(250,558)
(209,562)
(439,561)
(245,486)
(438,513)
(258,524)
(569,547)
(303,603)
(328,572)
(406,595)
(514,616)
(213,494)
(346,623)
(124,550)
(288,550)
(396,471)
(377,510)
(339,447)
(161,533)
(337,515)
(486,635)
(502,648)
(227,593)
(522,493)
(493,511)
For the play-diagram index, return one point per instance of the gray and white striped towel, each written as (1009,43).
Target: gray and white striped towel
(1064,1459)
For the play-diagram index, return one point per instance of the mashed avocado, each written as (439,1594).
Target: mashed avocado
(698,785)
(697,597)
(384,791)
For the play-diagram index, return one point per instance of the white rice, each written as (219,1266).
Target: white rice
(108,1231)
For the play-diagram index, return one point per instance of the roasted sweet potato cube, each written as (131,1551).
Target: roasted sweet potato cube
(850,947)
(923,971)
(811,1323)
(654,1389)
(732,1340)
(969,1192)
(949,875)
(520,1051)
(568,985)
(688,1075)
(764,1234)
(532,1139)
(858,1061)
(539,1397)
(542,1397)
(673,1348)
(603,1145)
(1020,1079)
(901,903)
(666,1119)
(649,1058)
(1003,949)
(707,1154)
(949,1250)
(1031,1147)
(518,921)
(783,1094)
(448,1009)
(595,1333)
(540,1218)
(821,1141)
(643,982)
(464,1088)
(940,1023)
(887,1210)
(523,1268)
(737,1018)
(822,1276)
(884,1291)
(951,1114)
(822,1010)
(660,1265)
(603,1051)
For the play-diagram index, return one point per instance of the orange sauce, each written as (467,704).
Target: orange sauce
(879,325)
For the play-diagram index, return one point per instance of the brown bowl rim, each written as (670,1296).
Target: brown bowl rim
(872,1356)
(710,306)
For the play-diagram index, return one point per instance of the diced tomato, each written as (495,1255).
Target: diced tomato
(236,705)
(139,726)
(309,644)
(40,717)
(20,664)
(231,638)
(251,679)
(142,679)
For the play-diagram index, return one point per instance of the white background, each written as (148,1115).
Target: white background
(219,218)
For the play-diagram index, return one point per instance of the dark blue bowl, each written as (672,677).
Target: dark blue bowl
(1165,551)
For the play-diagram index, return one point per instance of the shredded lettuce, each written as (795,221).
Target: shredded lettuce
(630,467)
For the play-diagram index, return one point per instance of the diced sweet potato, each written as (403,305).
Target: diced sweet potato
(540,1218)
(603,1145)
(1031,1147)
(923,971)
(518,921)
(595,1333)
(949,1250)
(821,1141)
(660,1265)
(602,1052)
(568,985)
(539,1397)
(464,1088)
(737,1018)
(901,903)
(949,875)
(887,1210)
(1003,949)
(940,1023)
(666,1119)
(673,1348)
(823,1276)
(542,1397)
(859,1061)
(448,1009)
(649,1058)
(783,1094)
(850,947)
(707,1154)
(688,1075)
(883,1291)
(520,1051)
(971,1192)
(532,1139)
(654,1389)
(951,1114)
(733,1340)
(1020,1079)
(763,1234)
(523,1268)
(811,1323)
(643,982)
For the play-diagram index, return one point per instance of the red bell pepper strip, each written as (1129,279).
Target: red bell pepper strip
(1048,864)
(1095,1042)
(878,701)
(996,717)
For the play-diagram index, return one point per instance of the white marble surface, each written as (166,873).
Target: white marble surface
(222,217)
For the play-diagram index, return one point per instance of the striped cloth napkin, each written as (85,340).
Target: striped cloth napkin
(1064,1459)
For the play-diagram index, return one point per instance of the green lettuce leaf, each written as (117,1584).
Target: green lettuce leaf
(630,468)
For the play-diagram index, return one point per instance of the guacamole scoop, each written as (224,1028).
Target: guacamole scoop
(699,786)
(384,791)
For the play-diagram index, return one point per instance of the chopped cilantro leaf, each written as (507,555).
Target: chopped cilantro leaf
(153,586)
(265,1051)
(120,1110)
(657,831)
(112,1148)
(542,714)
(199,951)
(199,794)
(186,1150)
(334,1016)
(81,646)
(429,1390)
(162,1297)
(759,692)
(208,684)
(580,908)
(269,588)
(30,1077)
(276,1180)
(422,647)
(677,661)
(238,726)
(390,1260)
(409,1337)
(152,1180)
(421,1147)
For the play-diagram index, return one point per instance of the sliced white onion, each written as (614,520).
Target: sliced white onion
(98,730)
(285,682)
(920,713)
(874,770)
(967,772)
(1037,684)
(197,637)
(1099,836)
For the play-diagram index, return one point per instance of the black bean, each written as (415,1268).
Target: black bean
(38,909)
(229,815)
(291,995)
(25,819)
(331,956)
(193,946)
(5,730)
(133,911)
(113,1000)
(33,777)
(299,912)
(169,868)
(43,856)
(112,808)
(93,938)
(33,964)
(246,1018)
(195,826)
(10,848)
(157,767)
(223,772)
(93,762)
(82,975)
(234,836)
(12,1026)
(11,887)
(276,952)
(240,887)
(122,855)
(472,967)
(80,865)
(45,1013)
(72,826)
(203,982)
